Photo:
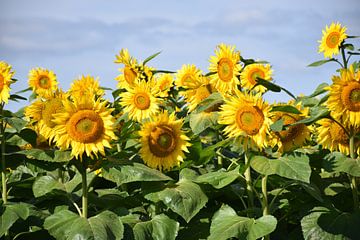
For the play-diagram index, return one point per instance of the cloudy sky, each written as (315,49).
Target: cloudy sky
(82,37)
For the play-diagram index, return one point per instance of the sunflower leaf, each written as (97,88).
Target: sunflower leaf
(277,126)
(321,62)
(151,57)
(269,85)
(285,108)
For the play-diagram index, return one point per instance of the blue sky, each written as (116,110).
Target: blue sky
(82,37)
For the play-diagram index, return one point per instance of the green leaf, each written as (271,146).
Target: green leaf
(321,62)
(290,166)
(211,101)
(320,90)
(227,224)
(285,108)
(201,121)
(161,227)
(151,57)
(11,214)
(269,85)
(330,224)
(277,126)
(16,123)
(185,198)
(338,162)
(133,173)
(220,178)
(348,46)
(316,114)
(48,155)
(162,71)
(66,225)
(15,97)
(46,184)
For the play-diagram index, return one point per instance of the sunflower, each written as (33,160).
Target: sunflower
(226,68)
(163,142)
(344,96)
(163,84)
(140,102)
(132,72)
(85,125)
(42,81)
(250,74)
(6,74)
(189,76)
(247,117)
(85,86)
(294,136)
(333,137)
(331,39)
(40,114)
(195,96)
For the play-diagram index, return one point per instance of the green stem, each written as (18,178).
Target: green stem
(265,195)
(84,191)
(248,183)
(343,56)
(352,178)
(3,163)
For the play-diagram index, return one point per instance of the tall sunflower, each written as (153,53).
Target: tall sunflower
(6,74)
(189,76)
(250,74)
(333,137)
(42,81)
(331,39)
(163,84)
(86,126)
(140,102)
(294,136)
(247,117)
(41,114)
(85,86)
(163,142)
(226,68)
(344,96)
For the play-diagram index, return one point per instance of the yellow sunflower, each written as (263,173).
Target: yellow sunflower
(140,102)
(86,126)
(331,39)
(85,86)
(163,84)
(6,74)
(333,137)
(344,96)
(226,67)
(196,95)
(250,74)
(41,114)
(189,76)
(294,136)
(125,58)
(247,117)
(163,142)
(42,81)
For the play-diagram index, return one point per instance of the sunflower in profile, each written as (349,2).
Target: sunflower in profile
(196,95)
(226,68)
(42,81)
(332,39)
(189,76)
(333,137)
(85,125)
(247,117)
(6,74)
(140,102)
(132,72)
(163,142)
(250,74)
(85,86)
(163,84)
(293,136)
(41,114)
(344,96)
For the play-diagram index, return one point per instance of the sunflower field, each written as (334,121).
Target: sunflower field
(184,155)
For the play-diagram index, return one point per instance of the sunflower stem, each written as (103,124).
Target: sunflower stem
(265,195)
(248,183)
(343,56)
(84,191)
(352,178)
(3,163)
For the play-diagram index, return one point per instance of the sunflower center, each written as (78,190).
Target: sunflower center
(293,131)
(250,119)
(44,82)
(254,74)
(350,96)
(338,134)
(142,101)
(50,107)
(85,126)
(333,39)
(130,75)
(1,82)
(162,141)
(225,69)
